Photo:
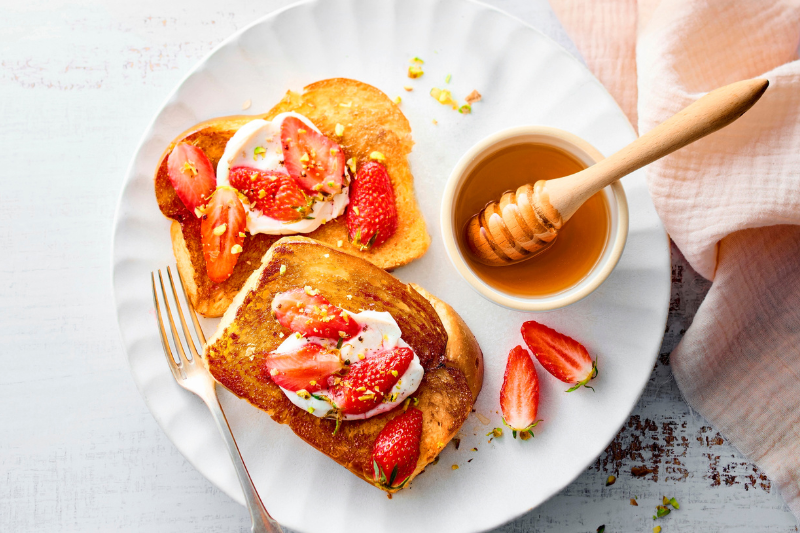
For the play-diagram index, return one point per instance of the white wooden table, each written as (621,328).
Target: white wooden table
(79,451)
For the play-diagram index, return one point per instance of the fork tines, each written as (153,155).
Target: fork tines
(177,365)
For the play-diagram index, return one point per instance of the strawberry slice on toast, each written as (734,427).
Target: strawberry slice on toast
(372,215)
(307,368)
(519,395)
(273,193)
(191,174)
(222,233)
(315,162)
(562,356)
(307,312)
(396,449)
(370,380)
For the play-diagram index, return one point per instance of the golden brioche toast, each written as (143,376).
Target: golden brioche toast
(372,122)
(447,350)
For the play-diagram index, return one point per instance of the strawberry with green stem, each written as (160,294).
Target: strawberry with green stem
(396,449)
(562,356)
(519,395)
(372,214)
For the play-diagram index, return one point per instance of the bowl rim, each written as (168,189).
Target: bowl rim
(588,284)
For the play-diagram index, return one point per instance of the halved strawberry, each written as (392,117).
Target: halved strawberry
(370,380)
(191,175)
(272,192)
(307,368)
(221,231)
(313,160)
(396,450)
(519,395)
(372,214)
(306,311)
(562,356)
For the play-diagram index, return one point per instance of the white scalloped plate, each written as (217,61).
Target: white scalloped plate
(525,78)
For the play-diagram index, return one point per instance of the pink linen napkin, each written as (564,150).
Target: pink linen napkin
(731,201)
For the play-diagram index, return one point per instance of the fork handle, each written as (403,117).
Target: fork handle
(262,521)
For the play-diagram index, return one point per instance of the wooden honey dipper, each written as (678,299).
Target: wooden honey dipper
(526,221)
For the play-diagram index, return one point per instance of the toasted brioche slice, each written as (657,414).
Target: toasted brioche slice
(371,123)
(447,349)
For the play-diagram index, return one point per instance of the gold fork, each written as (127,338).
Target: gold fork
(192,375)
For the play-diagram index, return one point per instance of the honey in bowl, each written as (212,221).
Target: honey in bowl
(579,244)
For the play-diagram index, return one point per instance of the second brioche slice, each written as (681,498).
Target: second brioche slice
(371,122)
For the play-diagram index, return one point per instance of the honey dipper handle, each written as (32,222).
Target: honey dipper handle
(713,111)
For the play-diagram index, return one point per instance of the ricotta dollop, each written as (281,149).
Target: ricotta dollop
(257,145)
(379,331)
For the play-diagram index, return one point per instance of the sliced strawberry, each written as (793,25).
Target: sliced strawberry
(372,214)
(221,231)
(396,450)
(313,160)
(519,395)
(272,192)
(191,175)
(562,356)
(307,368)
(370,380)
(307,312)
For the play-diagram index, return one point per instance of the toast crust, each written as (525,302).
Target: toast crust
(372,122)
(447,349)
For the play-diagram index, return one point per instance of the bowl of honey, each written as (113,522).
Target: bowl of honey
(587,247)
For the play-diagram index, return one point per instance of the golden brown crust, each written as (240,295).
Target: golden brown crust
(371,123)
(248,332)
(463,351)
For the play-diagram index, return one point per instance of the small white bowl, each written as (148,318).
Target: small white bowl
(578,148)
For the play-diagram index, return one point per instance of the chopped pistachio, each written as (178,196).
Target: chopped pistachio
(417,60)
(473,97)
(189,168)
(633,502)
(496,432)
(611,480)
(415,71)
(304,158)
(448,78)
(219,230)
(259,151)
(657,529)
(241,234)
(408,88)
(351,164)
(465,109)
(377,156)
(283,270)
(236,249)
(339,243)
(301,130)
(673,502)
(454,467)
(394,373)
(310,409)
(397,100)
(339,130)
